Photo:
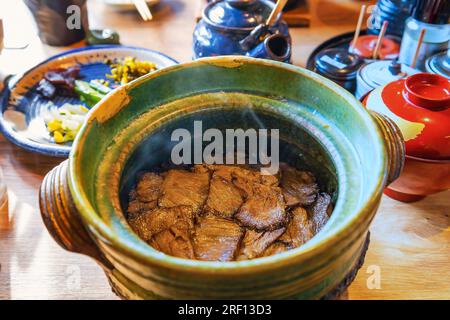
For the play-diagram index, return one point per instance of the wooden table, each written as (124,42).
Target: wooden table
(410,243)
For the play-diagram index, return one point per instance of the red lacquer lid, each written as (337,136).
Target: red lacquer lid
(365,45)
(420,105)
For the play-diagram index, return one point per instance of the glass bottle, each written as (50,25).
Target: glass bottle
(433,16)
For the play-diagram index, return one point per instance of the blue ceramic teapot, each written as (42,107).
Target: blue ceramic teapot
(230,27)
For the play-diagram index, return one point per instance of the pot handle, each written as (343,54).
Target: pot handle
(395,145)
(62,219)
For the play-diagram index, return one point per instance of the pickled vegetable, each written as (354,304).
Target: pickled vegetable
(128,69)
(87,93)
(64,122)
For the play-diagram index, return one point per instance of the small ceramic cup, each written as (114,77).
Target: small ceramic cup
(59,23)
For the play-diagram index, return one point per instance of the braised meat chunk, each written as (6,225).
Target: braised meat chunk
(246,186)
(254,242)
(229,172)
(175,245)
(320,212)
(224,198)
(180,219)
(274,248)
(216,239)
(149,187)
(184,188)
(299,187)
(264,210)
(136,208)
(145,197)
(298,230)
(227,213)
(200,168)
(270,180)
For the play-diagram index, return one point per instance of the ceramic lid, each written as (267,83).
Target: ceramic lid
(338,63)
(238,13)
(440,64)
(381,72)
(365,45)
(420,105)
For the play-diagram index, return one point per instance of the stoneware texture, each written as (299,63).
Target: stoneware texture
(323,128)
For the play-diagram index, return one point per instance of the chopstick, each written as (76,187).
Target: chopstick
(380,39)
(358,28)
(419,44)
(275,12)
(143,9)
(139,9)
(146,9)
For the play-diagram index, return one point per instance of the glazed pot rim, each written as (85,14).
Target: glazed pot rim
(96,225)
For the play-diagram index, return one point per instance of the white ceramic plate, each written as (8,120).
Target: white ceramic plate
(23,109)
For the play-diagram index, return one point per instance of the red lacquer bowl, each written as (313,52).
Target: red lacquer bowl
(420,178)
(420,106)
(365,45)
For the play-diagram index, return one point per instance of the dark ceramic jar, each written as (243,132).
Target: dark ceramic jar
(225,23)
(340,66)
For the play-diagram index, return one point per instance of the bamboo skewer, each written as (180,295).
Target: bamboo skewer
(275,12)
(143,9)
(138,8)
(419,44)
(358,28)
(380,40)
(146,9)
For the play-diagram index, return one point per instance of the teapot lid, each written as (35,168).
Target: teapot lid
(380,72)
(420,106)
(338,63)
(439,63)
(237,13)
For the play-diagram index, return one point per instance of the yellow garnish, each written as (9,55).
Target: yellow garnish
(64,122)
(128,69)
(58,136)
(54,125)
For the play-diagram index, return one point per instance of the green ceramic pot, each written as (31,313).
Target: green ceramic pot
(322,128)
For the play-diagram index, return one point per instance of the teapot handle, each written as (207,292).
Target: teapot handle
(395,145)
(62,219)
